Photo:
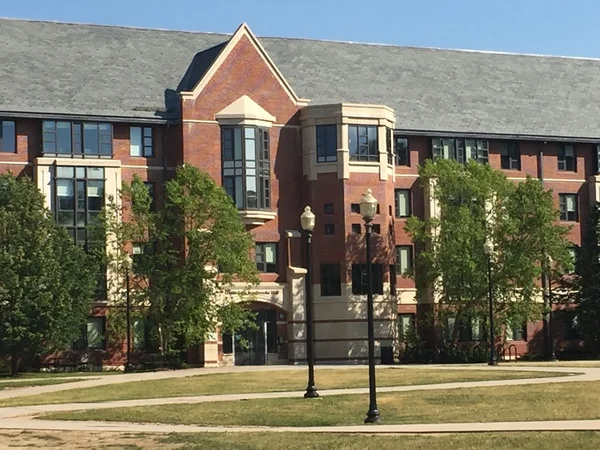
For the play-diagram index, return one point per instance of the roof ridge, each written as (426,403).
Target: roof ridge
(131,27)
(283,38)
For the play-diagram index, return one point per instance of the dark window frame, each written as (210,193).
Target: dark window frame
(260,253)
(401,154)
(329,229)
(83,342)
(359,279)
(361,145)
(331,280)
(510,155)
(77,139)
(147,141)
(567,163)
(397,193)
(480,151)
(413,323)
(565,215)
(328,209)
(356,226)
(410,267)
(325,152)
(238,168)
(12,139)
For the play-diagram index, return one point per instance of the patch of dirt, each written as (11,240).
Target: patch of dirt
(67,440)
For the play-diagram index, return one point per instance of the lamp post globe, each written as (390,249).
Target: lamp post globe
(488,248)
(368,206)
(307,221)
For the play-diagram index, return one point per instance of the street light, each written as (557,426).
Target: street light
(368,208)
(128,263)
(550,336)
(307,220)
(488,249)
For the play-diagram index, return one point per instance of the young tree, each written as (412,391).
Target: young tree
(199,247)
(46,281)
(477,203)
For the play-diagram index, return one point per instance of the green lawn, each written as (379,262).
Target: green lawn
(284,380)
(552,401)
(296,441)
(78,440)
(31,382)
(44,375)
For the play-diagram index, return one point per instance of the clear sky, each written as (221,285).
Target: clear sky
(553,27)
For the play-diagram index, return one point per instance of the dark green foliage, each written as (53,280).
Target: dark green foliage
(46,282)
(476,203)
(177,284)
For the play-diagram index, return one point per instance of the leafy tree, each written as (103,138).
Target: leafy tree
(46,282)
(586,283)
(199,246)
(477,203)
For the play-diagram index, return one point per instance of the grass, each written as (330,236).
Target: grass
(284,380)
(552,401)
(36,375)
(29,383)
(297,441)
(551,364)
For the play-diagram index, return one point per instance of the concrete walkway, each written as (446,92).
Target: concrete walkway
(123,427)
(24,417)
(105,380)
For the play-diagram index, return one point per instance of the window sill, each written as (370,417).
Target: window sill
(256,217)
(363,163)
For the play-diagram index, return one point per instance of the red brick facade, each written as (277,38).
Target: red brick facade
(196,140)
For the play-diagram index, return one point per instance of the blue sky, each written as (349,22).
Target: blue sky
(554,27)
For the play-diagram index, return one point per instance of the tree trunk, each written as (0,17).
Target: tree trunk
(14,362)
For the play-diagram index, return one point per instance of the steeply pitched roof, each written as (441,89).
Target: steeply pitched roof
(56,68)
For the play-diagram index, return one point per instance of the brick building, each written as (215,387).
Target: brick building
(283,123)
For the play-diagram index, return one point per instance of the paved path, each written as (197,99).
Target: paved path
(24,417)
(123,427)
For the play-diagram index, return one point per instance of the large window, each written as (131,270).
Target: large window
(326,143)
(401,151)
(360,285)
(140,141)
(406,325)
(404,259)
(93,334)
(266,257)
(517,334)
(510,155)
(78,200)
(363,143)
(460,150)
(567,158)
(568,207)
(472,329)
(331,283)
(246,167)
(77,139)
(8,138)
(402,202)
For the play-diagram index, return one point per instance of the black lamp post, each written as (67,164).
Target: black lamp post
(488,248)
(307,220)
(368,208)
(128,315)
(550,313)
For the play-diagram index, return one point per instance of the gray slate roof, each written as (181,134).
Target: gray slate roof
(60,68)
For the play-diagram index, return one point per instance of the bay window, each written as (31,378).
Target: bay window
(246,166)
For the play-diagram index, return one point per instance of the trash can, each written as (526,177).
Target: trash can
(387,355)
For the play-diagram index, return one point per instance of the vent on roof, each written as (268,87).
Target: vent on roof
(149,108)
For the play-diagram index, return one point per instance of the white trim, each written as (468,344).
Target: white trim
(551,180)
(407,175)
(214,122)
(129,166)
(82,162)
(243,30)
(17,163)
